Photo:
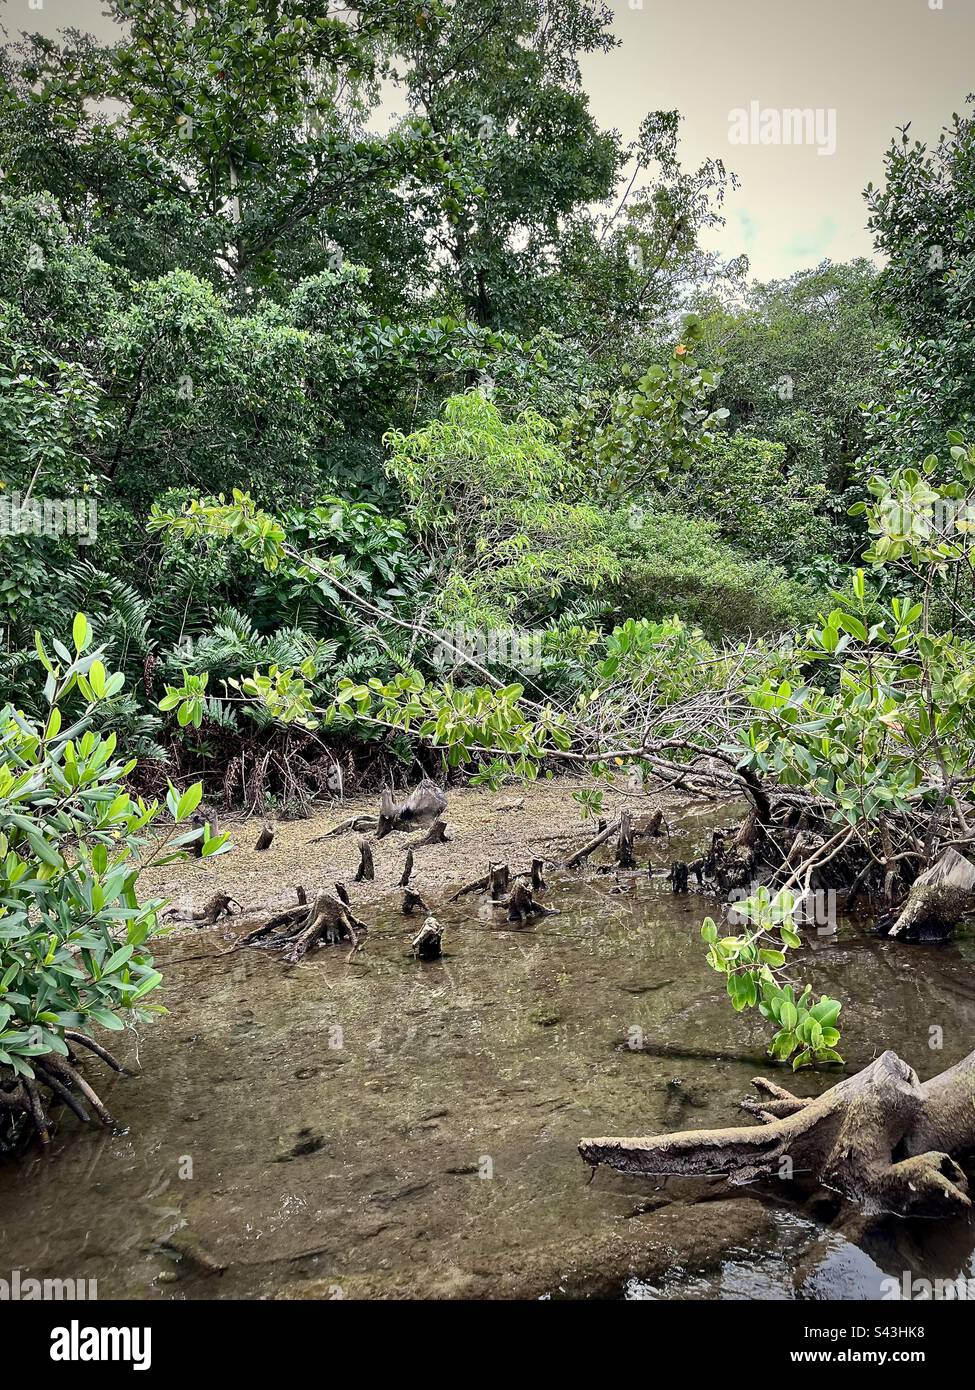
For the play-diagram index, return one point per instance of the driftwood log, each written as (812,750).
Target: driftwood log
(425,804)
(359,824)
(881,1138)
(604,834)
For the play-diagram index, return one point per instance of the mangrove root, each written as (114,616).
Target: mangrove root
(366,869)
(61,1078)
(880,1138)
(201,819)
(412,902)
(625,858)
(436,835)
(428,942)
(266,837)
(296,930)
(522,906)
(939,897)
(679,873)
(407,869)
(212,910)
(498,879)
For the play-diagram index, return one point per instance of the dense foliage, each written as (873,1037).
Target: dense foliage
(516,470)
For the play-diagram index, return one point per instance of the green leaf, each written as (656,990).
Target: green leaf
(80,632)
(189,801)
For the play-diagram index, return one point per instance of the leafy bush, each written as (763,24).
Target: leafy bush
(74,937)
(670,563)
(487,497)
(740,483)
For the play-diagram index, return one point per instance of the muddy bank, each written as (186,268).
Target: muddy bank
(511,826)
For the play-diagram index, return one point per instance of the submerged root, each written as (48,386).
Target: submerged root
(328,921)
(61,1078)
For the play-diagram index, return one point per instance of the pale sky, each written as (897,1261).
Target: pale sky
(877,63)
(874,63)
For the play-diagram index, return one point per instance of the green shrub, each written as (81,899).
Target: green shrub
(74,937)
(680,564)
(740,483)
(488,498)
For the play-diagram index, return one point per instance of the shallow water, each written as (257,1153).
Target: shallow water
(387,1127)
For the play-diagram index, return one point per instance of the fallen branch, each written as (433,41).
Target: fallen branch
(587,849)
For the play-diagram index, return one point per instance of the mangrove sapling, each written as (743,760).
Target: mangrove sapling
(752,963)
(73,933)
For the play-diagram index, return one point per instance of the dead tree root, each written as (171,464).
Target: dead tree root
(880,1138)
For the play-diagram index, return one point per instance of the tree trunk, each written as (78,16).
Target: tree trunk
(880,1138)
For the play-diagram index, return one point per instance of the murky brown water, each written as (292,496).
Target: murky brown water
(388,1127)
